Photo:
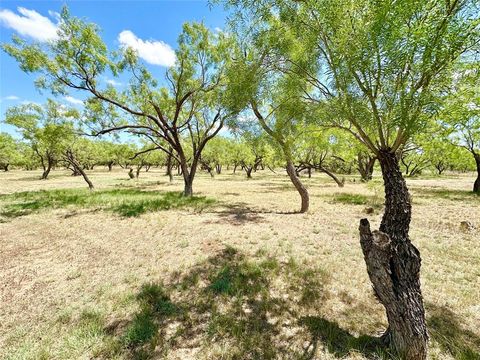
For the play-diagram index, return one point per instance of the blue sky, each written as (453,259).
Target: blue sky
(150,26)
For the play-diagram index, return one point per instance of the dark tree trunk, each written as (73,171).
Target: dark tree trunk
(249,170)
(218,168)
(85,177)
(302,190)
(169,165)
(235,168)
(365,166)
(110,165)
(70,158)
(130,174)
(309,169)
(5,167)
(393,265)
(339,182)
(47,169)
(137,174)
(476,185)
(188,175)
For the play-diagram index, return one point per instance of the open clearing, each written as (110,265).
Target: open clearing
(133,271)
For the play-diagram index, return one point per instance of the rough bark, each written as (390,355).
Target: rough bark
(476,184)
(302,190)
(393,265)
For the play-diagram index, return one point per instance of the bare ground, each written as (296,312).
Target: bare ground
(58,265)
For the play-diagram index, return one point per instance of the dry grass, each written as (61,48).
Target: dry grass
(81,281)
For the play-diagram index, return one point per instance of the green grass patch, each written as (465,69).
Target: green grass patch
(125,202)
(351,199)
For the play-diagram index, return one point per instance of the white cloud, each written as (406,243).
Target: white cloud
(11,97)
(30,23)
(113,82)
(152,51)
(73,100)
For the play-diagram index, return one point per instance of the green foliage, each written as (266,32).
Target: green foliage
(370,68)
(10,151)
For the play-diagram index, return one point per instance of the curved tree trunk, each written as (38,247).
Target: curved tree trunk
(85,177)
(339,182)
(393,265)
(302,190)
(70,158)
(476,185)
(47,169)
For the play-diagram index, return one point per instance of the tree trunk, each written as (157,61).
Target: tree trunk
(365,166)
(47,169)
(476,185)
(130,174)
(302,190)
(85,177)
(339,182)
(249,170)
(188,176)
(169,166)
(110,165)
(218,168)
(393,265)
(5,167)
(77,168)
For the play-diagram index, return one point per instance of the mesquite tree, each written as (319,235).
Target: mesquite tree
(49,130)
(10,153)
(188,109)
(460,114)
(43,128)
(258,88)
(371,68)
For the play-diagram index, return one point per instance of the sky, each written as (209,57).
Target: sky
(151,27)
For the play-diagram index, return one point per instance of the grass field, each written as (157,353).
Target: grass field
(133,270)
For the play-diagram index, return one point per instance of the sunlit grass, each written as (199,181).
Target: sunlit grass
(125,202)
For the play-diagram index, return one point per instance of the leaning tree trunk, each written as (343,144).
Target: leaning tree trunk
(339,182)
(70,158)
(476,185)
(302,190)
(85,177)
(393,265)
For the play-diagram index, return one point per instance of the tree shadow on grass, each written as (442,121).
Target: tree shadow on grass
(127,202)
(233,307)
(446,330)
(338,341)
